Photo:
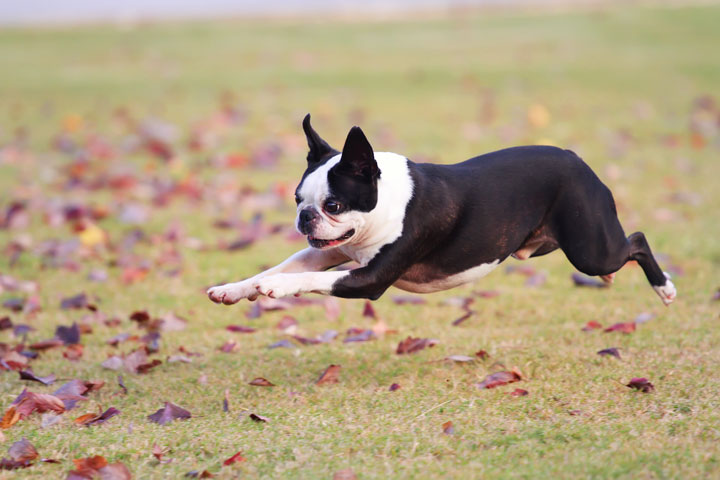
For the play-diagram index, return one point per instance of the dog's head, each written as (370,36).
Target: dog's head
(337,189)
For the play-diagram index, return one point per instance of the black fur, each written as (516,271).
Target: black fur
(491,206)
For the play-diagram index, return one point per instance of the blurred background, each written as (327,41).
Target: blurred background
(150,149)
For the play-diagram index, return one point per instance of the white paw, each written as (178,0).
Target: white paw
(232,292)
(667,292)
(276,286)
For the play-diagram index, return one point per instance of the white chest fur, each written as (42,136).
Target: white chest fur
(384,224)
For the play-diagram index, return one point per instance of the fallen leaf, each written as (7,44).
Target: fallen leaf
(329,375)
(228,347)
(159,452)
(29,375)
(482,354)
(519,392)
(287,324)
(408,300)
(169,413)
(411,345)
(459,358)
(460,320)
(198,474)
(394,386)
(237,458)
(68,335)
(22,451)
(369,310)
(499,379)
(591,325)
(261,382)
(78,301)
(307,341)
(285,343)
(258,418)
(73,352)
(448,428)
(581,280)
(362,336)
(642,384)
(609,351)
(239,329)
(623,327)
(96,419)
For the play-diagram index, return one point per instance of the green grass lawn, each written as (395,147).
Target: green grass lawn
(630,90)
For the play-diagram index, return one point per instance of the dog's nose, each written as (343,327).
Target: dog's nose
(307,216)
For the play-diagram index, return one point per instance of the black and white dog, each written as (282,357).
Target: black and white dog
(423,227)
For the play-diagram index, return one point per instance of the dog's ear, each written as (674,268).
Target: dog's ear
(358,158)
(319,148)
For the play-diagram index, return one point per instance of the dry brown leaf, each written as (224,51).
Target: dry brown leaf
(330,375)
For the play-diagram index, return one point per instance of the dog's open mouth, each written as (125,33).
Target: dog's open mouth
(319,243)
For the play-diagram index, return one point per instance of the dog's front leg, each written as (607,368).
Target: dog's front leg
(369,281)
(308,260)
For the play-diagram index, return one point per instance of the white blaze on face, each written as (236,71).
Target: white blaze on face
(314,191)
(373,229)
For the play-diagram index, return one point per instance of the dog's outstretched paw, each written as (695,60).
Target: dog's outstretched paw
(276,286)
(667,292)
(232,293)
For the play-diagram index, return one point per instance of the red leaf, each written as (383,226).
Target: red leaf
(329,375)
(239,329)
(482,354)
(624,327)
(96,419)
(169,413)
(237,458)
(369,310)
(499,379)
(228,347)
(411,345)
(394,386)
(519,392)
(642,384)
(591,325)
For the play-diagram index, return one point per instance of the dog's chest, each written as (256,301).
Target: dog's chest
(423,279)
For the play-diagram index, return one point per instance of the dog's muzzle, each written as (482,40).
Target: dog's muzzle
(306,220)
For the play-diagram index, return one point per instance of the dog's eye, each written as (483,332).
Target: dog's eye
(332,207)
(297,199)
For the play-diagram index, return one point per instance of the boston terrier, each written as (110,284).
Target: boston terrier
(424,227)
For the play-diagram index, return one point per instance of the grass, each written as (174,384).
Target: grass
(619,88)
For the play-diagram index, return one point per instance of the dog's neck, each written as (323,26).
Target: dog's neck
(384,224)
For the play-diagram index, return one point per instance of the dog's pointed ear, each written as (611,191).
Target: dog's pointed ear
(319,148)
(358,158)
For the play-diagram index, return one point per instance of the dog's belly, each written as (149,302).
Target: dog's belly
(421,280)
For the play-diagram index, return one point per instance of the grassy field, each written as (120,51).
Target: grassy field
(83,116)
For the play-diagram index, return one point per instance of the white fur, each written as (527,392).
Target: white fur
(383,224)
(667,292)
(286,284)
(373,229)
(446,283)
(302,261)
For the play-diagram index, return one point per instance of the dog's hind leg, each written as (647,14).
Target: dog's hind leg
(588,231)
